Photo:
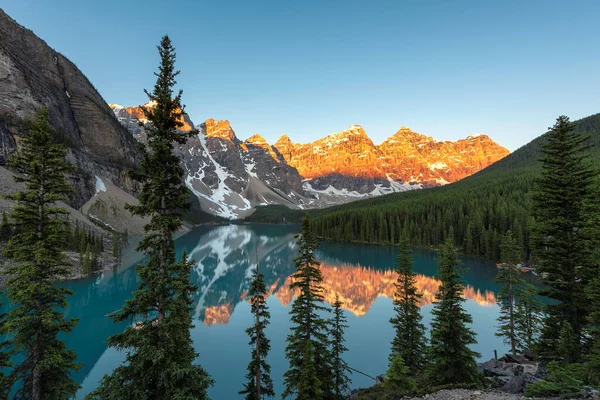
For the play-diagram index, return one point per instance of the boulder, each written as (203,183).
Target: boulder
(518,359)
(515,385)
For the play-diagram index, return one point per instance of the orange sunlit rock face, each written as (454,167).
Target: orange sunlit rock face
(218,314)
(138,113)
(219,129)
(406,156)
(259,141)
(350,153)
(358,287)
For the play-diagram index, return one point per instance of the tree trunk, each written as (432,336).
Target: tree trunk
(257,357)
(36,379)
(36,375)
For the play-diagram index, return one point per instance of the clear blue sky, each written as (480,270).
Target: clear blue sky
(309,68)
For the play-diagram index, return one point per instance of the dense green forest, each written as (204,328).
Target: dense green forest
(475,211)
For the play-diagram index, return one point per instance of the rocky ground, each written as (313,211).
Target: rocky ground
(464,394)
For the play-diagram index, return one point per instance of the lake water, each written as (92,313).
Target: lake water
(225,256)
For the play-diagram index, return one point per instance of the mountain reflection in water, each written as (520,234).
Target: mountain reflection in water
(227,255)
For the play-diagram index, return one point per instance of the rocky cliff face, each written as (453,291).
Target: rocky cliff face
(33,75)
(349,163)
(414,157)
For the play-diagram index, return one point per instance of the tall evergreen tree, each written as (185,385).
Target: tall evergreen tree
(566,344)
(4,228)
(409,341)
(309,373)
(560,238)
(259,383)
(450,359)
(116,245)
(340,369)
(529,317)
(509,277)
(37,319)
(160,355)
(86,268)
(399,377)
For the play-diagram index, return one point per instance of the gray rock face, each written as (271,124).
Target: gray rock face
(229,177)
(32,76)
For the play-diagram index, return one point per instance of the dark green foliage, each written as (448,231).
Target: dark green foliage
(409,341)
(451,362)
(562,254)
(259,383)
(559,383)
(566,344)
(309,374)
(594,330)
(339,367)
(160,356)
(4,228)
(529,317)
(511,284)
(116,245)
(5,362)
(86,242)
(37,317)
(87,261)
(399,379)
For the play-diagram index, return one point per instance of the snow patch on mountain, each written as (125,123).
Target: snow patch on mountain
(100,186)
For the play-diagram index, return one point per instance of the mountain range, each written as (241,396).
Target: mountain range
(231,177)
(226,176)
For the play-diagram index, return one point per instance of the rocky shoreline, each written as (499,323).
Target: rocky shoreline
(507,378)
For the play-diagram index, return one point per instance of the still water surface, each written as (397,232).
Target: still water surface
(225,256)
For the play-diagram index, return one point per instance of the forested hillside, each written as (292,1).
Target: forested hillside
(475,211)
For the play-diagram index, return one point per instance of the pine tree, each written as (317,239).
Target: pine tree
(68,233)
(562,255)
(309,373)
(82,241)
(116,245)
(409,341)
(87,261)
(37,318)
(450,359)
(160,355)
(75,237)
(509,277)
(4,228)
(529,317)
(399,377)
(340,369)
(566,344)
(259,383)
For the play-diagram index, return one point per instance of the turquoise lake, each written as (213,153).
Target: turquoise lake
(225,256)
